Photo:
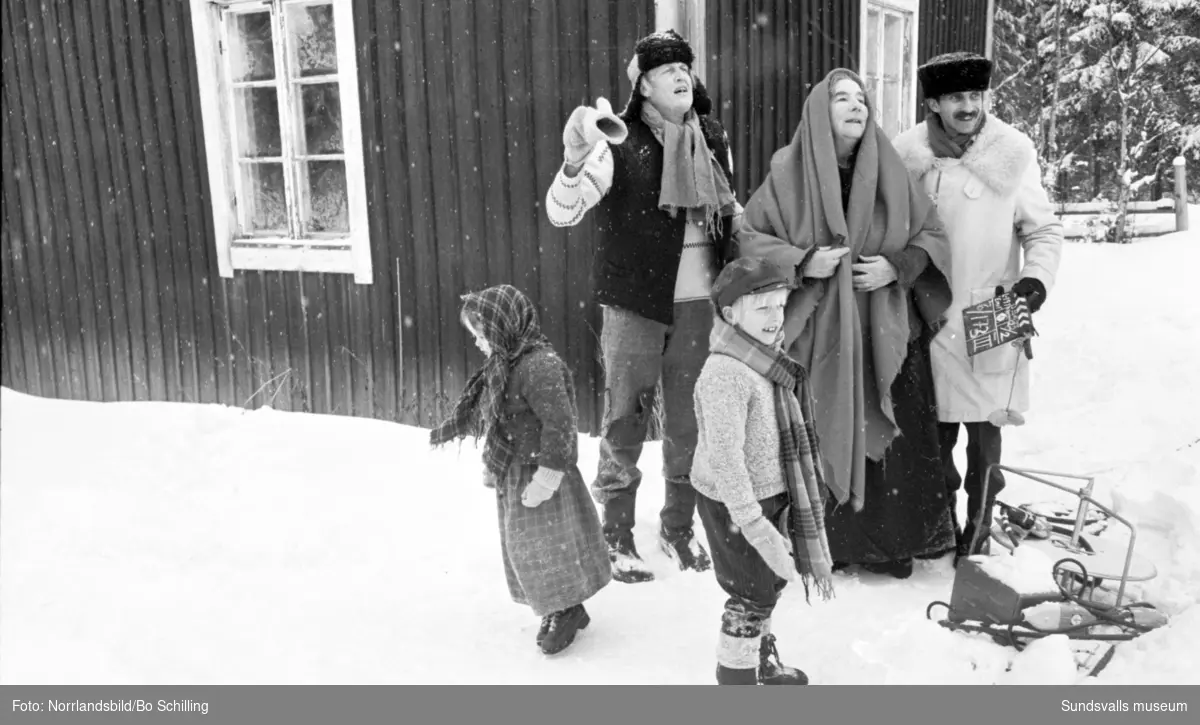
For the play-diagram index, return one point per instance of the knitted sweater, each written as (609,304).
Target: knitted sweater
(737,459)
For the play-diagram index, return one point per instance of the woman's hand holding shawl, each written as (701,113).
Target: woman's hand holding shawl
(824,262)
(775,549)
(873,272)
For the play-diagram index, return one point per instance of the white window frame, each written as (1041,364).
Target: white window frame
(688,18)
(350,253)
(907,110)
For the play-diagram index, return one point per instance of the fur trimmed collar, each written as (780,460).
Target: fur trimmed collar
(998,157)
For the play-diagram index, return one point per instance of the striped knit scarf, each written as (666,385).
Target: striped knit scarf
(799,451)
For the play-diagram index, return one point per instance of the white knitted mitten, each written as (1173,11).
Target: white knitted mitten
(772,545)
(587,127)
(541,487)
(575,143)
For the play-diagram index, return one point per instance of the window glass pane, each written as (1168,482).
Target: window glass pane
(327,205)
(907,93)
(893,44)
(252,55)
(873,43)
(322,108)
(264,197)
(893,66)
(891,101)
(257,117)
(311,32)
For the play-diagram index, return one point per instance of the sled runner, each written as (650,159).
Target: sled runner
(1084,598)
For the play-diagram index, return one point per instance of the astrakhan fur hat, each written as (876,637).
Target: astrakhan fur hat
(955,73)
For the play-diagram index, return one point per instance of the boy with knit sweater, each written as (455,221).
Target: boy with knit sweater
(757,471)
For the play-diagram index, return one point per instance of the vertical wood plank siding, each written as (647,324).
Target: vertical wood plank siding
(764,56)
(110,284)
(948,26)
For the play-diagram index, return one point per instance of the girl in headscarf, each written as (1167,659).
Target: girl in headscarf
(522,404)
(872,265)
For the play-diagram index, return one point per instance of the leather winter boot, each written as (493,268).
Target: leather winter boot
(683,548)
(627,566)
(771,671)
(564,625)
(544,628)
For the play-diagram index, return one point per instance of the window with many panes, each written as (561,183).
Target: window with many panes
(889,61)
(279,100)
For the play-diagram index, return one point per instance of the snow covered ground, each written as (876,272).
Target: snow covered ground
(154,543)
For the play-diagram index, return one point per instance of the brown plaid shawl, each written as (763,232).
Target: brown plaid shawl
(510,325)
(799,451)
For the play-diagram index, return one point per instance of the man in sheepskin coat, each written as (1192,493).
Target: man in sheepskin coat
(984,178)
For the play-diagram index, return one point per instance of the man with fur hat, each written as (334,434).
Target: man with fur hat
(983,176)
(664,213)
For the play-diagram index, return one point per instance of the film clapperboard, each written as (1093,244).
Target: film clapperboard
(999,321)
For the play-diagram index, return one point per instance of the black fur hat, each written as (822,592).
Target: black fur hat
(701,101)
(659,49)
(955,73)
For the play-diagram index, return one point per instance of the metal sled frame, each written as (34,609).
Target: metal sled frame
(1017,633)
(1084,495)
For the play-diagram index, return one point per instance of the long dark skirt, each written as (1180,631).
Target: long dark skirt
(554,554)
(906,512)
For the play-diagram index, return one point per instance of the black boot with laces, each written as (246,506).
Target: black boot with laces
(564,625)
(684,549)
(771,671)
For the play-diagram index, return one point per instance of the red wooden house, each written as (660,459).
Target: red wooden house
(279,202)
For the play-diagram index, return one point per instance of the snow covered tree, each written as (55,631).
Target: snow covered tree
(1017,90)
(1109,92)
(1029,57)
(1137,59)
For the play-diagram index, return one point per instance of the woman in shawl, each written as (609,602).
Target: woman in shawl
(872,267)
(522,404)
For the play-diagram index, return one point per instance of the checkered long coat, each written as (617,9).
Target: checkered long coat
(554,554)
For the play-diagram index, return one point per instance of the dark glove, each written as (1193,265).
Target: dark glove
(1032,290)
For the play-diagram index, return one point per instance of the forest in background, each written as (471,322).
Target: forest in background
(1109,92)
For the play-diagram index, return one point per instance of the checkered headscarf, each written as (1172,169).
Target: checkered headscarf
(509,323)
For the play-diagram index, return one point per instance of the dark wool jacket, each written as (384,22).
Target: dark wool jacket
(639,245)
(538,412)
